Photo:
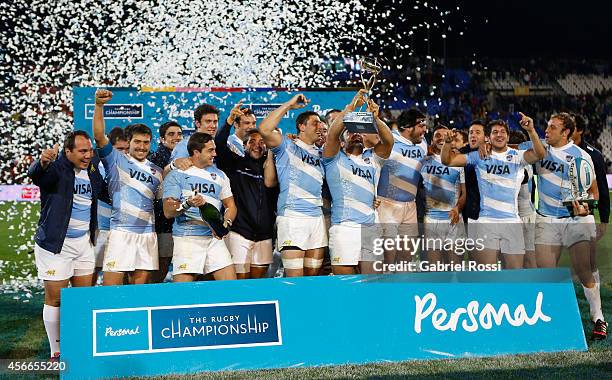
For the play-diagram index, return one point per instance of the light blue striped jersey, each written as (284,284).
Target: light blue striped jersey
(499,181)
(352,182)
(133,187)
(442,186)
(553,178)
(210,182)
(81,205)
(400,176)
(235,144)
(300,177)
(104,209)
(180,150)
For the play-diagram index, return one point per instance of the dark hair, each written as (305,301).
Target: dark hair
(164,127)
(440,126)
(197,141)
(137,129)
(204,109)
(477,122)
(252,132)
(568,121)
(246,112)
(69,142)
(303,118)
(464,135)
(495,122)
(328,113)
(409,118)
(580,123)
(116,134)
(517,137)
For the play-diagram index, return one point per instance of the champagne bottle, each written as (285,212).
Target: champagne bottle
(213,218)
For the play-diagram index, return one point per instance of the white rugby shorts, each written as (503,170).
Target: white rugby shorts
(199,255)
(351,243)
(246,252)
(100,247)
(129,251)
(398,218)
(75,259)
(304,232)
(501,235)
(564,231)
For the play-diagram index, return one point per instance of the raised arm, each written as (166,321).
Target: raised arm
(102,96)
(385,145)
(38,170)
(267,128)
(270,177)
(332,143)
(538,151)
(448,156)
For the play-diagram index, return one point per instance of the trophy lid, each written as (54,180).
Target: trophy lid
(370,64)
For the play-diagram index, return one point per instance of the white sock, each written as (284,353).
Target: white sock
(594,299)
(51,317)
(596,275)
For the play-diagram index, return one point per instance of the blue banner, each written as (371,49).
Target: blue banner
(155,107)
(311,321)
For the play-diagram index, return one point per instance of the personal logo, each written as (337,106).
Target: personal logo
(473,317)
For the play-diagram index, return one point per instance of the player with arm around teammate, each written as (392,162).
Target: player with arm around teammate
(499,178)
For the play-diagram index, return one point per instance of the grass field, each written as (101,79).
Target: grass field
(22,334)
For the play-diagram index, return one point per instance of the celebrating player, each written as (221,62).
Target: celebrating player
(206,120)
(243,122)
(70,187)
(197,250)
(250,240)
(352,173)
(444,199)
(133,183)
(499,180)
(399,180)
(300,224)
(555,227)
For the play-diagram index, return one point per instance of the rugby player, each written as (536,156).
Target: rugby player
(352,173)
(70,187)
(197,250)
(206,120)
(555,227)
(499,178)
(526,208)
(255,193)
(133,183)
(118,141)
(243,122)
(170,134)
(444,199)
(301,235)
(399,181)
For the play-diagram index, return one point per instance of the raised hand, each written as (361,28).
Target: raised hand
(526,122)
(49,155)
(236,112)
(298,101)
(103,96)
(374,108)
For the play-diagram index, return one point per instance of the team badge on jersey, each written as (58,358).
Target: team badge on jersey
(509,158)
(213,176)
(569,158)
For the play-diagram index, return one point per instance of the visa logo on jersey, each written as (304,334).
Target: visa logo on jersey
(207,188)
(437,170)
(310,160)
(142,177)
(362,173)
(82,188)
(411,153)
(497,169)
(552,166)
